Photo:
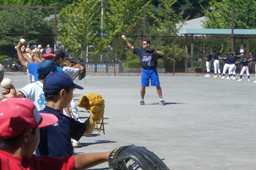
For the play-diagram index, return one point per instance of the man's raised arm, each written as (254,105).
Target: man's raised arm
(127,42)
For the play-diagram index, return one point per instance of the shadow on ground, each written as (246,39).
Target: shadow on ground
(166,103)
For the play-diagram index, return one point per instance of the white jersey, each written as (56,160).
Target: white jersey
(72,72)
(34,91)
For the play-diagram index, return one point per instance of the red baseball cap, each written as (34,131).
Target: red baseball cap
(20,114)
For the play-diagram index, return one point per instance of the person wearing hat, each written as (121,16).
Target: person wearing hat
(56,140)
(34,91)
(216,62)
(47,54)
(245,68)
(20,126)
(232,67)
(71,110)
(208,63)
(226,65)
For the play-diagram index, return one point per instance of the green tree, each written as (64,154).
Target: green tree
(220,14)
(167,29)
(123,17)
(77,26)
(23,23)
(26,2)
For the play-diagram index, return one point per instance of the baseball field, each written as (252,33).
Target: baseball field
(207,123)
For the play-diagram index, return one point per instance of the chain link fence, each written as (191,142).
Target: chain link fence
(183,53)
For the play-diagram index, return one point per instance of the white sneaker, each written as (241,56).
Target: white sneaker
(239,80)
(214,76)
(234,78)
(227,78)
(249,80)
(207,75)
(254,81)
(223,77)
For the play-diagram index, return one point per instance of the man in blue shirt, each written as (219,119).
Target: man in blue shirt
(148,61)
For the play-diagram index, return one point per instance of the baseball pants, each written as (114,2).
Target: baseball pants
(232,69)
(208,66)
(245,68)
(225,68)
(216,65)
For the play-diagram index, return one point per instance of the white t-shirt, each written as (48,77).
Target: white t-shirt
(72,72)
(34,92)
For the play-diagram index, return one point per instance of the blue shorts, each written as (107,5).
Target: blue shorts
(149,74)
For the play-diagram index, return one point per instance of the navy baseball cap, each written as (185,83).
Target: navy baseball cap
(32,47)
(231,53)
(47,66)
(57,81)
(48,52)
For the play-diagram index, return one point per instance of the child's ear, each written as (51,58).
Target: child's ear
(25,135)
(62,92)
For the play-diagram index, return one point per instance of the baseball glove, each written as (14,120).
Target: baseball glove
(95,104)
(135,157)
(82,74)
(150,51)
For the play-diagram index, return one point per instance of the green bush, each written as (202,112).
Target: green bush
(135,63)
(3,57)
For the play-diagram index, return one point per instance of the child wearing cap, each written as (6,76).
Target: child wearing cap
(34,91)
(56,140)
(208,63)
(19,136)
(71,111)
(232,67)
(226,65)
(47,54)
(245,68)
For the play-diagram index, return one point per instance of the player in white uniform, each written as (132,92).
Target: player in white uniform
(245,68)
(226,65)
(208,63)
(216,62)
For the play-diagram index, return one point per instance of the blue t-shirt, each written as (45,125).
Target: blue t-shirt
(244,62)
(32,69)
(55,140)
(215,56)
(208,58)
(146,60)
(232,60)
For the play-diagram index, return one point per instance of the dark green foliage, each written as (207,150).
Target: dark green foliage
(23,23)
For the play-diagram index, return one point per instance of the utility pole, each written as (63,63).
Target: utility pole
(101,28)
